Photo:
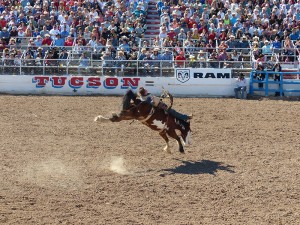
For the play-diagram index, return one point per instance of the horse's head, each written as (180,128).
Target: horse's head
(185,130)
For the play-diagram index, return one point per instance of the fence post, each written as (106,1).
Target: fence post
(251,83)
(281,84)
(267,83)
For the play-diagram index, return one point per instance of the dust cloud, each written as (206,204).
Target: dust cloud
(53,173)
(117,165)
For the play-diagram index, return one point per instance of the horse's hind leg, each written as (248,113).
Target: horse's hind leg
(163,134)
(174,135)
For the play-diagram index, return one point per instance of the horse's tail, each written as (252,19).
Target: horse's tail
(129,95)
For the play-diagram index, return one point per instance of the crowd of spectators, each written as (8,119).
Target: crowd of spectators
(230,30)
(202,31)
(51,29)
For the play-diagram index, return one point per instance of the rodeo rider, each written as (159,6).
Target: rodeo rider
(157,102)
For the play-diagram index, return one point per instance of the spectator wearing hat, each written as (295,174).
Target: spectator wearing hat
(231,43)
(46,40)
(156,56)
(266,49)
(192,61)
(59,41)
(241,87)
(202,58)
(138,11)
(172,34)
(244,45)
(182,35)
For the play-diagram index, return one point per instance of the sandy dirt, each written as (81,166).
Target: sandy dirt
(58,166)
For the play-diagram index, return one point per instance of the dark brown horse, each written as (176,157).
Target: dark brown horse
(153,117)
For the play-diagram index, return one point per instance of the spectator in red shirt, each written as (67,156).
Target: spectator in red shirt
(203,26)
(47,40)
(212,35)
(3,22)
(69,41)
(191,22)
(172,34)
(180,59)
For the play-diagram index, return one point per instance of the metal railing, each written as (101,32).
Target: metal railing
(162,68)
(270,81)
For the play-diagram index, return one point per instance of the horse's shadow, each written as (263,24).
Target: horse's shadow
(198,167)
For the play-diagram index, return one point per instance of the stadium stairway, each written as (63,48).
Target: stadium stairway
(153,21)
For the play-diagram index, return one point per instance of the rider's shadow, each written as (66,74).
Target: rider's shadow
(198,167)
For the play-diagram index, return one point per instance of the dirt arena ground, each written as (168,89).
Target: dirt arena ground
(58,166)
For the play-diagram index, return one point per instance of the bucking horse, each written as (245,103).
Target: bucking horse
(154,117)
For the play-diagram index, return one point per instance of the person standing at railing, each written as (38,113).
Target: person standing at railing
(277,76)
(241,87)
(260,74)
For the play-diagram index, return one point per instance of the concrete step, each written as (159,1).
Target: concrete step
(152,32)
(152,21)
(150,36)
(153,16)
(152,28)
(152,11)
(156,22)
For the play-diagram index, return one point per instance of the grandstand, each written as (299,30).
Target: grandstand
(146,38)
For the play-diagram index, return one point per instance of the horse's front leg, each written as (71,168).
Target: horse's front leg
(163,134)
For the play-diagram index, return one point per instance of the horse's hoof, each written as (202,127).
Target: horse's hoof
(167,149)
(100,118)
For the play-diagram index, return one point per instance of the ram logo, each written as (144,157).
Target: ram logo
(183,75)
